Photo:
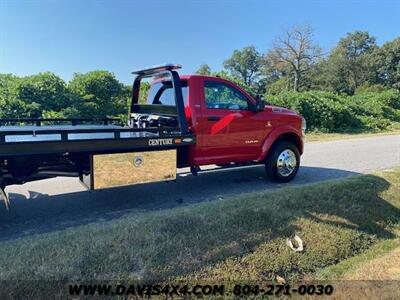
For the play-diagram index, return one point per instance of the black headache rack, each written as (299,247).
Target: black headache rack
(77,137)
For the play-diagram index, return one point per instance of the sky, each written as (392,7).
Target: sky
(69,36)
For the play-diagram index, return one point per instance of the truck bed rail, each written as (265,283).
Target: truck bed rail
(73,121)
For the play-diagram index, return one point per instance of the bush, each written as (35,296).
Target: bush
(377,111)
(390,98)
(374,124)
(323,111)
(329,112)
(368,88)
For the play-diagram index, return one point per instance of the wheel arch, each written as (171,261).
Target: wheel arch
(287,135)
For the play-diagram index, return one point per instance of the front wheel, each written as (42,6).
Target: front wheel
(283,162)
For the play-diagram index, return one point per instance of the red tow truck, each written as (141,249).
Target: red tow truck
(187,121)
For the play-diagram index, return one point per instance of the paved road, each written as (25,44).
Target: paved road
(59,203)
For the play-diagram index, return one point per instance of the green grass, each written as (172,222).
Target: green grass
(232,239)
(321,136)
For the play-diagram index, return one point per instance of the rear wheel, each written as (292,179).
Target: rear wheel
(283,162)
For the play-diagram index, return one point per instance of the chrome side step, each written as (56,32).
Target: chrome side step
(5,198)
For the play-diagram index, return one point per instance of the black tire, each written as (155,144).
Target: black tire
(271,162)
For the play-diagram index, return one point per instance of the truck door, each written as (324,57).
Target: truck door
(230,132)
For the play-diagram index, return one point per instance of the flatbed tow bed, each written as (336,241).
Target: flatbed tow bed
(31,140)
(37,150)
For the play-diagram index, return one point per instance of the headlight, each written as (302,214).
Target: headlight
(303,124)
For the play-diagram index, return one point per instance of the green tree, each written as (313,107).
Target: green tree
(7,86)
(349,63)
(386,61)
(278,86)
(204,69)
(46,91)
(100,94)
(10,105)
(245,64)
(317,77)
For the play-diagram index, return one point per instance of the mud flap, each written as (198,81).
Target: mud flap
(5,198)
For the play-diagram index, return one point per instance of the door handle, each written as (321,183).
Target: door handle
(213,118)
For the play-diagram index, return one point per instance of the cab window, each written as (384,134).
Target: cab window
(163,93)
(219,95)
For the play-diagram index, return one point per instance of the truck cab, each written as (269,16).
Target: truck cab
(232,127)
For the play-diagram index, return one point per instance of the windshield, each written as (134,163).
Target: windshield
(162,92)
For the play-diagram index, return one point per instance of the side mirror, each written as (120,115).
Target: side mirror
(260,105)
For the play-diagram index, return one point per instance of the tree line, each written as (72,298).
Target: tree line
(45,95)
(357,79)
(295,62)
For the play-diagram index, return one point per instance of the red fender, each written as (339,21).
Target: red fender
(275,134)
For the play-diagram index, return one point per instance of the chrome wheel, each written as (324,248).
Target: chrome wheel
(286,163)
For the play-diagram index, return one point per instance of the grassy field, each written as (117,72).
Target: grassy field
(238,239)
